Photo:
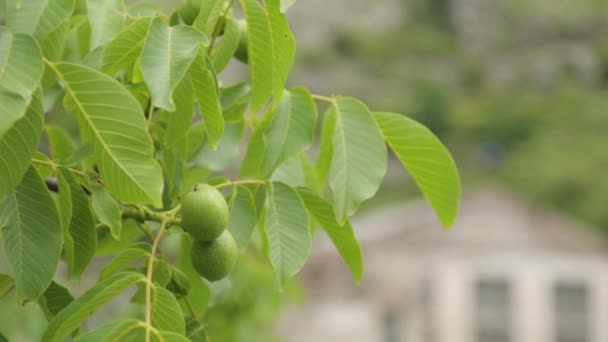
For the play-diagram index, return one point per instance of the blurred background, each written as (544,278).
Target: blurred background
(518,91)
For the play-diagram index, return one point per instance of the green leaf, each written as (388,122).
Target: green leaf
(60,141)
(234,100)
(79,310)
(342,235)
(223,52)
(21,69)
(37,18)
(108,246)
(93,58)
(291,129)
(54,299)
(18,143)
(167,315)
(124,50)
(285,4)
(326,150)
(165,57)
(286,230)
(251,166)
(207,94)
(290,172)
(125,258)
(427,160)
(107,19)
(106,209)
(169,336)
(243,216)
(118,330)
(208,15)
(271,51)
(195,138)
(195,331)
(199,293)
(227,149)
(7,284)
(82,227)
(162,273)
(115,121)
(180,120)
(359,156)
(3,338)
(64,207)
(179,283)
(128,330)
(32,235)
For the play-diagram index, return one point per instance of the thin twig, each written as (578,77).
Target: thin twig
(55,166)
(149,274)
(323,98)
(216,28)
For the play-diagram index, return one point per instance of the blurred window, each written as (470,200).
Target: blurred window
(571,312)
(493,310)
(390,322)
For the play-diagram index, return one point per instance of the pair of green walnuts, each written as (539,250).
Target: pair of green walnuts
(205,215)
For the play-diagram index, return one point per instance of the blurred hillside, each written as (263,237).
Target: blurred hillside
(517,89)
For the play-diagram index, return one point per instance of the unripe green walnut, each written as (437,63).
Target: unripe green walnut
(214,260)
(204,213)
(241,51)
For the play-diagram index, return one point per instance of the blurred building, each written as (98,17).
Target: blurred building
(506,272)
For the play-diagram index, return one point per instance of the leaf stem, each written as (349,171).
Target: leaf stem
(141,214)
(150,273)
(216,28)
(245,181)
(55,165)
(327,99)
(191,309)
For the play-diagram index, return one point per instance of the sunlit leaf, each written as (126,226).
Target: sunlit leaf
(359,156)
(37,17)
(106,18)
(115,122)
(271,51)
(243,216)
(180,120)
(286,230)
(208,15)
(21,69)
(291,128)
(223,52)
(285,4)
(167,53)
(427,160)
(207,94)
(122,52)
(341,235)
(166,312)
